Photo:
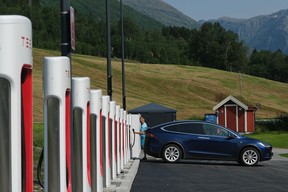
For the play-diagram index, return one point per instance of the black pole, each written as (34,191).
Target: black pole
(109,73)
(65,29)
(122,58)
(66,51)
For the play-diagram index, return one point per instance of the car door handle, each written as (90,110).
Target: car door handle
(203,138)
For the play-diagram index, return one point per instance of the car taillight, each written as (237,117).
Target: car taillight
(151,135)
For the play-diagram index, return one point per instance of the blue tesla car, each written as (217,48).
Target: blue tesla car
(177,140)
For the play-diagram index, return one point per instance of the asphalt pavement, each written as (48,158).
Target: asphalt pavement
(134,180)
(156,175)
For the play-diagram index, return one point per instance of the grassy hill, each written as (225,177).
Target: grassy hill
(192,91)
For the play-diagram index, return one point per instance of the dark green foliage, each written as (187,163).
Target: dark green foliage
(213,46)
(146,40)
(278,124)
(270,65)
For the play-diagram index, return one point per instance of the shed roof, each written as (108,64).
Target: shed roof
(151,107)
(230,98)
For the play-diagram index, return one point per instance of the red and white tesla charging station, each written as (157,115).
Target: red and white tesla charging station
(117,117)
(113,138)
(96,140)
(81,134)
(106,140)
(121,139)
(126,131)
(135,124)
(16,112)
(129,130)
(57,86)
(125,136)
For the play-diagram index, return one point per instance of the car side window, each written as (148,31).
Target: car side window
(194,128)
(215,130)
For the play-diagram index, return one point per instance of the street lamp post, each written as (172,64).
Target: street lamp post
(65,28)
(108,31)
(122,58)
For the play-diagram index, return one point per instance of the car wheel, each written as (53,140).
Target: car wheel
(171,153)
(249,156)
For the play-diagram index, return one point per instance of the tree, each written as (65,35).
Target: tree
(213,46)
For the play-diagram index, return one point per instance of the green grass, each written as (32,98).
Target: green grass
(191,90)
(38,143)
(275,138)
(284,155)
(38,134)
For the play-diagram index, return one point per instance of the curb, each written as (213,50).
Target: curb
(124,180)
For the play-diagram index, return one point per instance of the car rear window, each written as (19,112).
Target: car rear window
(195,128)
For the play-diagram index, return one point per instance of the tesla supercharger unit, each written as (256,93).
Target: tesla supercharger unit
(125,137)
(106,141)
(117,117)
(136,147)
(16,124)
(121,139)
(57,157)
(96,140)
(81,134)
(129,132)
(129,138)
(113,138)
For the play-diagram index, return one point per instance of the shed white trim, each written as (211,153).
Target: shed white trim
(230,97)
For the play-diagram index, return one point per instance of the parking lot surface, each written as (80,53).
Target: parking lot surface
(205,176)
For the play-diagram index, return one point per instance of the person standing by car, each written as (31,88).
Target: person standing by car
(142,131)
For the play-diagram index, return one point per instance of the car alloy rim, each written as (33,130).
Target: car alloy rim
(172,154)
(250,157)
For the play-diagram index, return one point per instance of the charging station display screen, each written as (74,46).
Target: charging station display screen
(77,148)
(53,144)
(5,135)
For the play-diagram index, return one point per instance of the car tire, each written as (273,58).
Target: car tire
(249,157)
(172,153)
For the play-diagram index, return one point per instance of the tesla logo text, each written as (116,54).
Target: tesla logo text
(67,73)
(26,42)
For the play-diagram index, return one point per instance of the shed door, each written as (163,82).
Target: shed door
(231,117)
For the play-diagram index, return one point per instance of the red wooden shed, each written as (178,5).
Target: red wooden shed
(235,115)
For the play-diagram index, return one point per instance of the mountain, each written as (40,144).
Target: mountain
(162,12)
(266,32)
(96,9)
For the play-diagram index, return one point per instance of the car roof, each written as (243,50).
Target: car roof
(176,122)
(190,121)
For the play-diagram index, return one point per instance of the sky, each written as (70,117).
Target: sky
(240,9)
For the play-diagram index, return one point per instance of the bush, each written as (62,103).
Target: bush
(283,121)
(278,124)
